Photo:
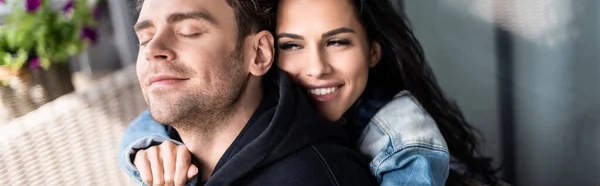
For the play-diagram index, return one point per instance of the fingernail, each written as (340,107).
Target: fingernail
(194,170)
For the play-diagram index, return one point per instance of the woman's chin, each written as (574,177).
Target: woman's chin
(329,114)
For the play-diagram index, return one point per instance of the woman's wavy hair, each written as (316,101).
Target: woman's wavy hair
(403,67)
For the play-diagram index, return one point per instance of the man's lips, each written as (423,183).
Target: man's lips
(164,79)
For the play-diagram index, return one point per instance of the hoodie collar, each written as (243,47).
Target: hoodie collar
(292,125)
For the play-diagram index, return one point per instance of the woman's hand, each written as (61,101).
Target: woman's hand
(165,165)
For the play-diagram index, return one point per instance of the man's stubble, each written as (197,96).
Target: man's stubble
(204,109)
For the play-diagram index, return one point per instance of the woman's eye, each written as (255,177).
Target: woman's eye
(289,46)
(340,42)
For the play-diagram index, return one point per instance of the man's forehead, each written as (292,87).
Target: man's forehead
(161,9)
(178,17)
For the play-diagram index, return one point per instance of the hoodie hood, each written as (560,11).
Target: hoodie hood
(292,125)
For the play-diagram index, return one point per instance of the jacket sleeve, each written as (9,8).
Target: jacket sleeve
(414,166)
(405,145)
(141,134)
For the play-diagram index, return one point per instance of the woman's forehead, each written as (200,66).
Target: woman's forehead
(309,15)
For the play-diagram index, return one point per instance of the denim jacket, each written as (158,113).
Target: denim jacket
(405,145)
(402,141)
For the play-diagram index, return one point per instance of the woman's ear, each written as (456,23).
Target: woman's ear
(264,53)
(374,54)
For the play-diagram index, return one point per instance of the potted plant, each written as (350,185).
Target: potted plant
(36,44)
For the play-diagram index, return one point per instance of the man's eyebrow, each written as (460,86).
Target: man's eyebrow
(142,25)
(338,31)
(204,15)
(293,36)
(177,17)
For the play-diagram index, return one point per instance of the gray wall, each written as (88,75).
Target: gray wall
(461,50)
(555,46)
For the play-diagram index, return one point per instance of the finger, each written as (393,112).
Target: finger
(156,166)
(184,161)
(168,153)
(143,165)
(192,171)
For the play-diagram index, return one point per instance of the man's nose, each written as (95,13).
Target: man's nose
(157,49)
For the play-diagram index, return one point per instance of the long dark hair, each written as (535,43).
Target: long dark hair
(403,67)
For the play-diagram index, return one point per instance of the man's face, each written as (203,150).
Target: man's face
(187,64)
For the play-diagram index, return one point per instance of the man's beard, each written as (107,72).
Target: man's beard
(204,108)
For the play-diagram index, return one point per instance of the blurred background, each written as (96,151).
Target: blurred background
(525,73)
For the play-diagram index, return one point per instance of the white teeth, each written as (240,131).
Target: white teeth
(322,91)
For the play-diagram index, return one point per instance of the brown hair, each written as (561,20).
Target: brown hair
(251,16)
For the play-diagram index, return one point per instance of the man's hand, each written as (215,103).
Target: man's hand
(165,165)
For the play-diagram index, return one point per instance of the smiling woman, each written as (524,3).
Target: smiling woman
(329,57)
(352,74)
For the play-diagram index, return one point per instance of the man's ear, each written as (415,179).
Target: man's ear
(374,54)
(263,53)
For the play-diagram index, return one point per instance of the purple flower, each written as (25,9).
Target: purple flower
(2,1)
(96,13)
(89,33)
(34,63)
(32,5)
(68,7)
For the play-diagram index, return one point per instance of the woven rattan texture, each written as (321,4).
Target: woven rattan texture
(72,140)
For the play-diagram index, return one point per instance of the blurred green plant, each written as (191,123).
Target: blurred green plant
(39,35)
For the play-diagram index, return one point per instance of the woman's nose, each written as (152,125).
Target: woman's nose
(318,65)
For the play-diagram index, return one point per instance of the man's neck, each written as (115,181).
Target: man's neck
(209,146)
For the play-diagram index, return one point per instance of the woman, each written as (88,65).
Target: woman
(360,62)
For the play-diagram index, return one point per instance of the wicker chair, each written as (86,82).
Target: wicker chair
(72,140)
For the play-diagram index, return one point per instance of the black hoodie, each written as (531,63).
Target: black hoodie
(286,143)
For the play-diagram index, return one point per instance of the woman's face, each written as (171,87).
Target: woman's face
(323,47)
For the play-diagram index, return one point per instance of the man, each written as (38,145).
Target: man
(201,66)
